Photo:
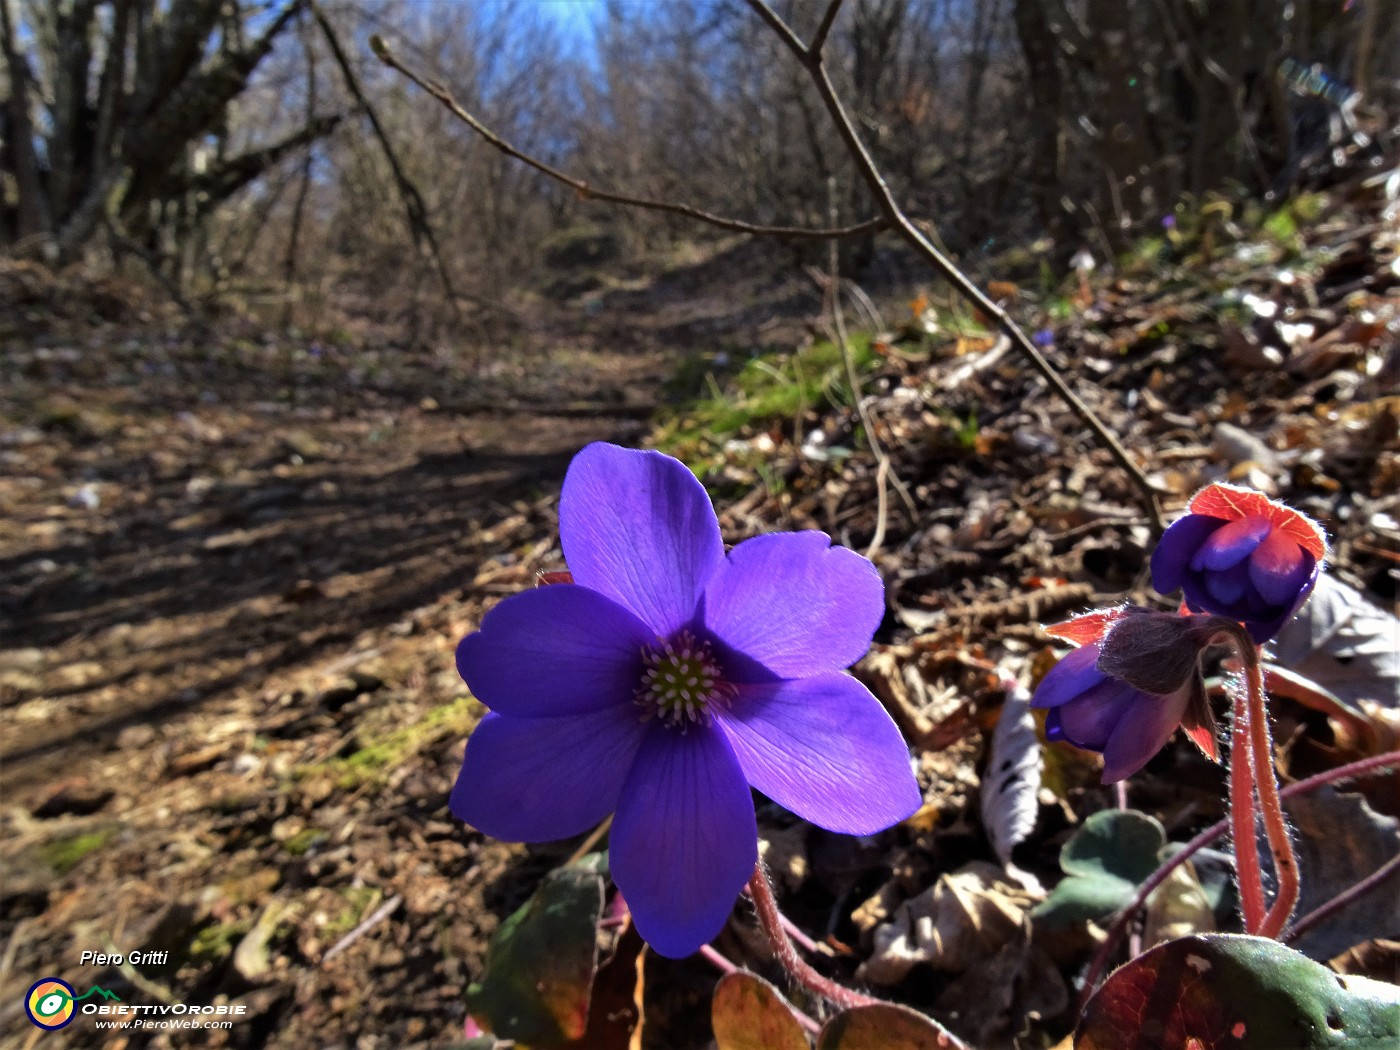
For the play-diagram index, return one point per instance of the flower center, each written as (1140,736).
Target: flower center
(682,682)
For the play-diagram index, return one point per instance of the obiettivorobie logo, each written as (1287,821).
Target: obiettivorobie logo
(51,1001)
(51,1004)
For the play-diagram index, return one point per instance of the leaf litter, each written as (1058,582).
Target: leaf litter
(235,720)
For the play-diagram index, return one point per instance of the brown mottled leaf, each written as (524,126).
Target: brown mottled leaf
(748,1013)
(883,1027)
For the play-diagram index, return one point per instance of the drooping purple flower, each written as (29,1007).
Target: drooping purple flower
(1135,677)
(1239,554)
(667,679)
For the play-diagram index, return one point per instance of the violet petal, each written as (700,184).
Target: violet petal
(541,779)
(1278,568)
(684,841)
(1074,674)
(559,650)
(1143,730)
(1176,548)
(1230,544)
(825,749)
(1228,586)
(794,603)
(1262,630)
(1088,721)
(638,527)
(1200,599)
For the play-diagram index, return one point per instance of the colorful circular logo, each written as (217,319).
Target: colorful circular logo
(49,1003)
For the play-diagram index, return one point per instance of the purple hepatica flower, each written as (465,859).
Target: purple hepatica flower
(667,679)
(1239,554)
(1098,712)
(1133,680)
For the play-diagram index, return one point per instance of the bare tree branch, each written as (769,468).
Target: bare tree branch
(823,30)
(901,224)
(609,196)
(412,200)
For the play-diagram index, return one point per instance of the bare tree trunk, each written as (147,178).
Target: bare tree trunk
(1046,99)
(289,268)
(34,216)
(1125,140)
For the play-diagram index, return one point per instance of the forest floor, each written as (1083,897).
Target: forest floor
(234,567)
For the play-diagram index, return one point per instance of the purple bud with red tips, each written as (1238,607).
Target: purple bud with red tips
(1242,555)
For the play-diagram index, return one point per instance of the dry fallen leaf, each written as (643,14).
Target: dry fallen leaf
(961,919)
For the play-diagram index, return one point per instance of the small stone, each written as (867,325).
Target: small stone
(339,693)
(76,798)
(135,736)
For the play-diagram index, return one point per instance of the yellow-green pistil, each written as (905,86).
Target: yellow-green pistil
(681,682)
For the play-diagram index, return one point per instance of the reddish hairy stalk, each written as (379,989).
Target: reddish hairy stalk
(1341,900)
(772,922)
(1242,816)
(1266,785)
(718,961)
(1205,838)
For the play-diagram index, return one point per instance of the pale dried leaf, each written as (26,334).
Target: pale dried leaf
(964,917)
(1178,908)
(1344,643)
(1012,780)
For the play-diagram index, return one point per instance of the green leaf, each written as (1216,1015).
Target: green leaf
(1105,860)
(540,964)
(748,1013)
(882,1027)
(1242,993)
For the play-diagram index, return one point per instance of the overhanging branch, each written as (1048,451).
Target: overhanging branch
(611,196)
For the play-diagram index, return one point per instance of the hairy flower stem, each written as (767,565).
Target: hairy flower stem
(1243,818)
(773,924)
(1266,786)
(771,920)
(1253,779)
(1204,839)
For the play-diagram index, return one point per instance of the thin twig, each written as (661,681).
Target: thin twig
(414,206)
(838,318)
(905,227)
(381,49)
(1204,839)
(828,20)
(380,914)
(593,839)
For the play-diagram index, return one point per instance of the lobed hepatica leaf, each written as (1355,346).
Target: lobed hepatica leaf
(883,1027)
(1228,992)
(748,1013)
(1105,861)
(540,964)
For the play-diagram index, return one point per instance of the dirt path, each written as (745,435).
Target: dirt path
(232,572)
